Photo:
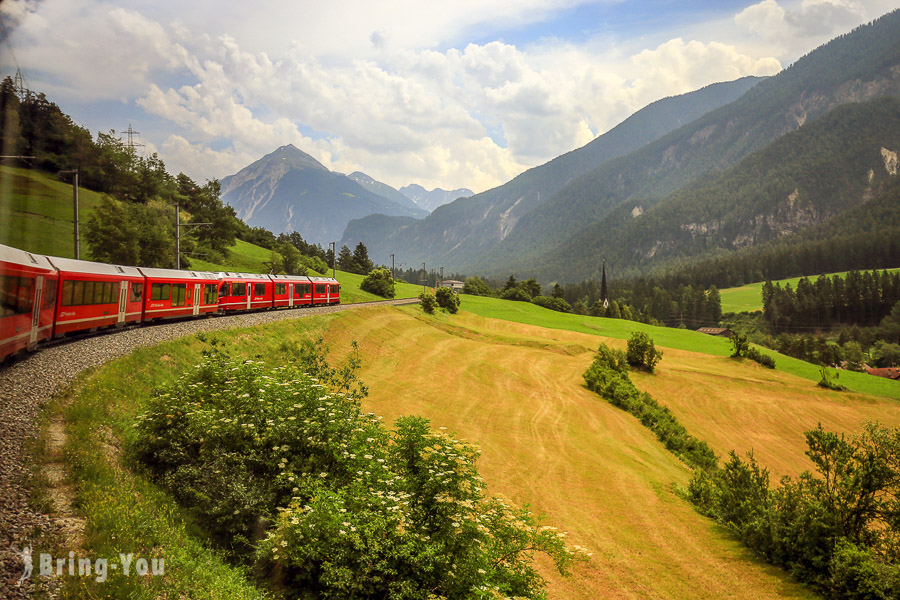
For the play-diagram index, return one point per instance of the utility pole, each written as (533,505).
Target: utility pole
(392,266)
(131,144)
(424,277)
(442,274)
(75,207)
(333,259)
(178,226)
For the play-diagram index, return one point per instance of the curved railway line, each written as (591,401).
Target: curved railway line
(29,382)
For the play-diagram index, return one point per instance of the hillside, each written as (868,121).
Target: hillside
(545,441)
(36,212)
(807,177)
(459,232)
(288,190)
(855,67)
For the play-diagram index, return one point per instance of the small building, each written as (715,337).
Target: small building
(453,284)
(717,331)
(888,372)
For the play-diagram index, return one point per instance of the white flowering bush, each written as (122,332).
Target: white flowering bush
(331,502)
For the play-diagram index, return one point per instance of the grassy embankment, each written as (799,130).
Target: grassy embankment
(682,339)
(748,298)
(515,389)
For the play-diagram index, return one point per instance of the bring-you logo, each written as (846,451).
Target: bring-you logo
(98,568)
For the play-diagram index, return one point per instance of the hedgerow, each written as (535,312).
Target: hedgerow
(608,376)
(330,501)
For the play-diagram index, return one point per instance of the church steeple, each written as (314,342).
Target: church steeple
(603,296)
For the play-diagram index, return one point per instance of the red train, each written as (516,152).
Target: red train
(43,297)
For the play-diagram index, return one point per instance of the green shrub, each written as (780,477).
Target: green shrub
(447,299)
(476,286)
(379,282)
(829,379)
(741,348)
(642,354)
(428,302)
(285,471)
(557,304)
(516,293)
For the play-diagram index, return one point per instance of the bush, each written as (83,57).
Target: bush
(428,302)
(379,282)
(515,293)
(557,304)
(829,379)
(328,499)
(763,359)
(642,354)
(447,300)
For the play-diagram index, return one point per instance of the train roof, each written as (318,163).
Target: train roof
(323,280)
(302,278)
(71,265)
(178,274)
(27,259)
(224,274)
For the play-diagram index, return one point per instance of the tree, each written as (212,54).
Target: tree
(361,258)
(379,282)
(531,287)
(739,345)
(345,261)
(111,234)
(291,259)
(641,353)
(476,286)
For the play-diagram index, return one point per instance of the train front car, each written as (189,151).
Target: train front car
(244,291)
(28,285)
(94,295)
(292,290)
(325,290)
(171,293)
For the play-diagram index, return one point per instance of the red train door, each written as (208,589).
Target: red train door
(290,290)
(36,311)
(197,298)
(123,298)
(249,294)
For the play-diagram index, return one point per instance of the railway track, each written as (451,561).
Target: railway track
(28,383)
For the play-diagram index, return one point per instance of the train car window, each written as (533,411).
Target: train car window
(67,291)
(87,293)
(160,291)
(49,294)
(321,288)
(16,295)
(178,294)
(224,290)
(137,292)
(238,289)
(259,289)
(334,289)
(211,294)
(279,289)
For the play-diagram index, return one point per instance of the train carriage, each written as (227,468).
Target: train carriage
(291,290)
(92,295)
(325,290)
(171,293)
(28,285)
(244,291)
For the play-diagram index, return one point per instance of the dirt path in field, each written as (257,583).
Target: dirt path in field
(548,442)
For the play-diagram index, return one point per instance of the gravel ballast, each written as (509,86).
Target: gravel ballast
(27,384)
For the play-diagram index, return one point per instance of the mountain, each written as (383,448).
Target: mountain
(386,191)
(289,190)
(430,200)
(467,229)
(808,177)
(861,65)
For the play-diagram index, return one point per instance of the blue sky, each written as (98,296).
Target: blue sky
(461,94)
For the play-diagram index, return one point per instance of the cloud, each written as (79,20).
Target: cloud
(366,86)
(796,28)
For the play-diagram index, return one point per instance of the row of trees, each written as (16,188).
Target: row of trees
(858,298)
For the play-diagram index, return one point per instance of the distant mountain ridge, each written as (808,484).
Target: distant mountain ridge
(386,191)
(430,200)
(289,190)
(556,237)
(461,232)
